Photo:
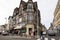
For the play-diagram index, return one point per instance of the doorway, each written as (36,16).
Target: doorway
(30,31)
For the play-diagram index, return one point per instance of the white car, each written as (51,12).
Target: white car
(51,32)
(5,33)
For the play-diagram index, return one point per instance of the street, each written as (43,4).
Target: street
(15,38)
(47,37)
(52,38)
(28,38)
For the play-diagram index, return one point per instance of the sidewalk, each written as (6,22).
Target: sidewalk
(17,37)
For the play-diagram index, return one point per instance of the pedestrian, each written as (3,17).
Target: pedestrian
(42,36)
(32,34)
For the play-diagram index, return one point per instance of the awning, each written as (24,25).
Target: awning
(18,27)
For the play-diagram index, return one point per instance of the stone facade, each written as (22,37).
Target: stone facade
(56,21)
(26,16)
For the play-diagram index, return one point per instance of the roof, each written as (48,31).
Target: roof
(24,4)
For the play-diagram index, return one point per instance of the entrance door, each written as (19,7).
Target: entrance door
(30,30)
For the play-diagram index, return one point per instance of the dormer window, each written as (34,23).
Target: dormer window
(30,6)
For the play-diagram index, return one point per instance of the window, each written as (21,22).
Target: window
(30,17)
(17,21)
(14,23)
(22,23)
(25,17)
(20,20)
(59,15)
(29,6)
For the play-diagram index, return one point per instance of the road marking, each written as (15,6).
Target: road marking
(52,39)
(45,38)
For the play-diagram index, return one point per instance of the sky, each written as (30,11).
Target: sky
(46,8)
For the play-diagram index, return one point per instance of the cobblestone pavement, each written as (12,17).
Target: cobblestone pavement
(15,38)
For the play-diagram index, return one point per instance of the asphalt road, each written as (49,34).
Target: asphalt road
(47,37)
(28,38)
(15,38)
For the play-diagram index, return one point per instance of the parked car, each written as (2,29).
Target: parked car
(5,33)
(51,32)
(0,32)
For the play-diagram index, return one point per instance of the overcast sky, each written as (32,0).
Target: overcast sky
(46,8)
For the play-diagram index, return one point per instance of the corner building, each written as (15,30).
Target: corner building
(26,17)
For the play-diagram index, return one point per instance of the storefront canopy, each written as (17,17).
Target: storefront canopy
(18,27)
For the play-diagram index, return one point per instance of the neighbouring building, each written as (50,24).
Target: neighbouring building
(26,17)
(2,28)
(56,20)
(10,23)
(51,26)
(44,28)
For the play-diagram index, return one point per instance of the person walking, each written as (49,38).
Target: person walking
(42,36)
